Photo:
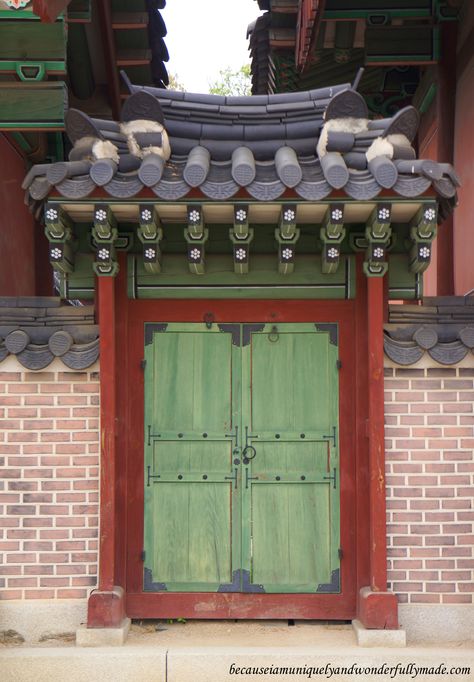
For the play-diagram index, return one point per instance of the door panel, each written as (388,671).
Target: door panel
(290,536)
(192,535)
(291,496)
(192,394)
(241,465)
(291,381)
(192,381)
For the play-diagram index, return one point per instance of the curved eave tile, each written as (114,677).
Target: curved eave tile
(171,190)
(76,188)
(409,352)
(313,190)
(81,356)
(266,191)
(411,185)
(448,353)
(220,191)
(124,186)
(362,186)
(402,352)
(35,357)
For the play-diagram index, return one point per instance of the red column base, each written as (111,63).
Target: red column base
(106,609)
(377,610)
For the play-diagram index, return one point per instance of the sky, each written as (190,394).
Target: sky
(206,36)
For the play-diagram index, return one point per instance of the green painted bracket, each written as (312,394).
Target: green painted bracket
(41,69)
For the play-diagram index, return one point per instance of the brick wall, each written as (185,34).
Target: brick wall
(430,468)
(49,467)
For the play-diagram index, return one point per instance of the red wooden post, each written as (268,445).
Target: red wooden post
(377,607)
(106,604)
(378,551)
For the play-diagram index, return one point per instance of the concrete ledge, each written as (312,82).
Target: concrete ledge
(436,623)
(218,663)
(128,664)
(93,637)
(385,638)
(37,618)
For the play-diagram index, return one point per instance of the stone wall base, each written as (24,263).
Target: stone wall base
(440,623)
(34,619)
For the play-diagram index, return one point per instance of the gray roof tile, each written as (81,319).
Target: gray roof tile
(264,125)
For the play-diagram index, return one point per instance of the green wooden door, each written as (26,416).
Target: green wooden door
(241,458)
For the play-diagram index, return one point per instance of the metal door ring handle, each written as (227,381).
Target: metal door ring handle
(246,450)
(273,335)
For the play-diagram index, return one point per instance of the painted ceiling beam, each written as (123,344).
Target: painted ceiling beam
(241,250)
(378,232)
(49,10)
(286,251)
(59,232)
(423,231)
(150,233)
(105,233)
(196,251)
(332,234)
(241,221)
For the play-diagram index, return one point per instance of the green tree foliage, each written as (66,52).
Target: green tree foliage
(175,83)
(232,82)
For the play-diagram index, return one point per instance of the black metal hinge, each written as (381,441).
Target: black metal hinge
(143,364)
(142,555)
(150,476)
(339,364)
(332,478)
(340,553)
(332,436)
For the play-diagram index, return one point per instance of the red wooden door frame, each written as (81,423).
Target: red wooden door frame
(130,465)
(362,460)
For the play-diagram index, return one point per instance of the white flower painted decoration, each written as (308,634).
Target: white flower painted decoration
(378,252)
(424,252)
(241,214)
(150,253)
(56,253)
(336,214)
(240,254)
(333,252)
(289,215)
(195,254)
(287,253)
(146,214)
(100,214)
(193,216)
(51,214)
(384,214)
(430,214)
(103,254)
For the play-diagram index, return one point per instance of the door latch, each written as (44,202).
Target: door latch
(249,478)
(233,478)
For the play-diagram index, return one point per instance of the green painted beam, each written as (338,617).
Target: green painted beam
(32,106)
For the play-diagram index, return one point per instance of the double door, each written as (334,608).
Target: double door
(241,458)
